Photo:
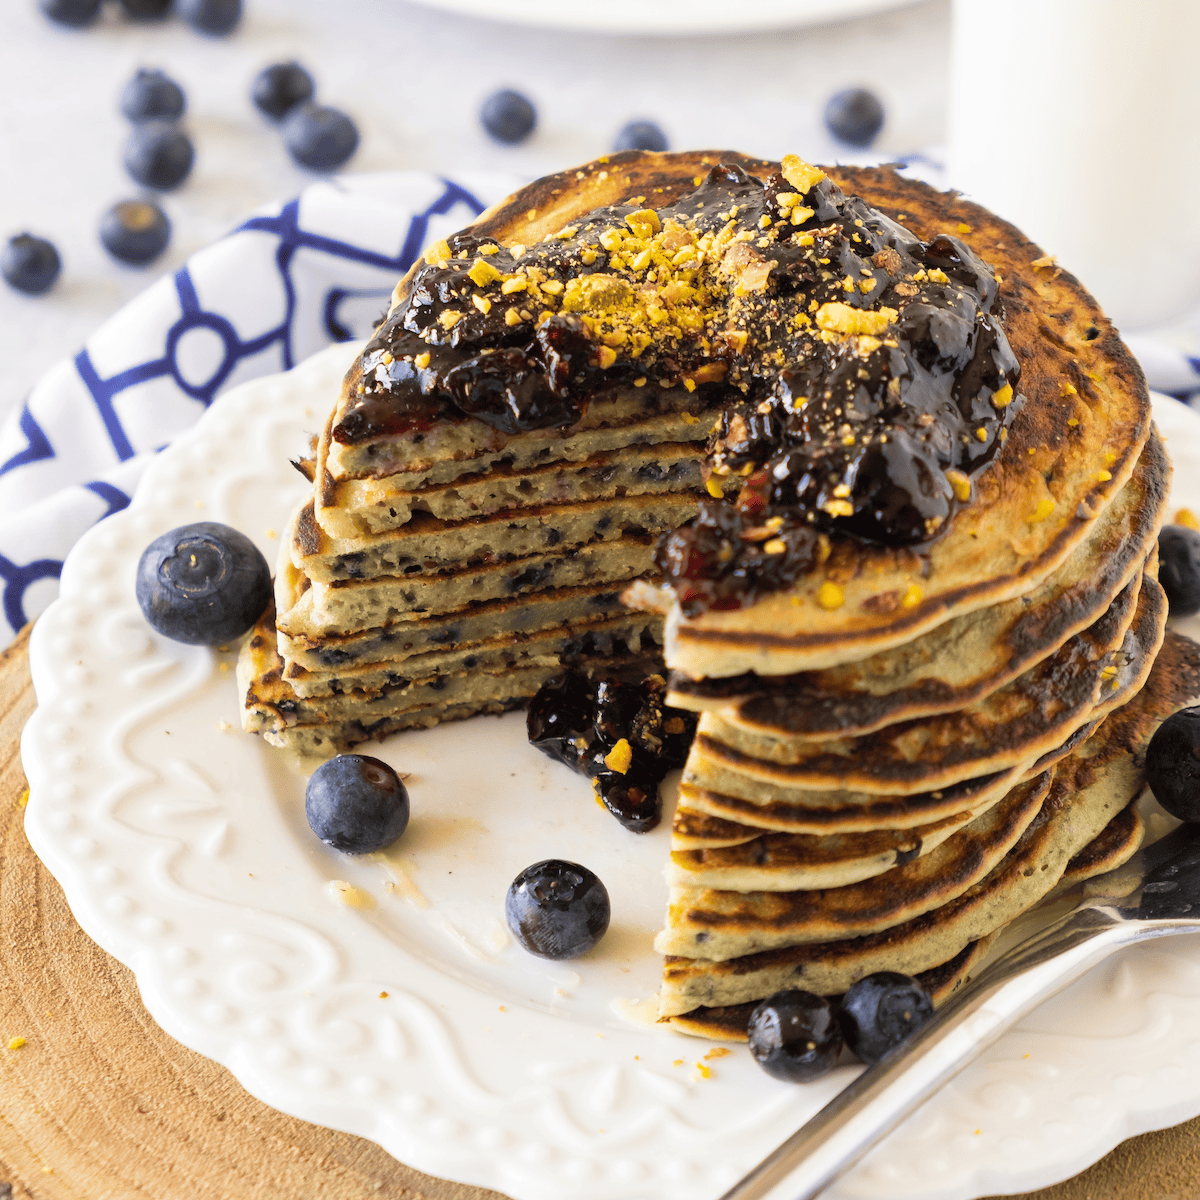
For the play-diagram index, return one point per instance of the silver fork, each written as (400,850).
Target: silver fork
(1159,894)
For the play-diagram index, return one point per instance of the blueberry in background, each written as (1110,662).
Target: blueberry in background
(356,804)
(204,584)
(318,137)
(557,909)
(1173,764)
(880,1011)
(146,10)
(216,17)
(277,89)
(159,155)
(854,116)
(76,13)
(640,135)
(1179,569)
(29,264)
(795,1036)
(152,96)
(508,116)
(135,231)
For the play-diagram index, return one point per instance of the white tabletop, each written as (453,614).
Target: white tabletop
(412,77)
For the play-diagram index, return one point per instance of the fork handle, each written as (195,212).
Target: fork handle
(883,1095)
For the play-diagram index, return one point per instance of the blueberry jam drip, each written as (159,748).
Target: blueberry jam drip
(862,375)
(618,733)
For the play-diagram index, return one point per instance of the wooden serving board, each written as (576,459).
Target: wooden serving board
(100,1104)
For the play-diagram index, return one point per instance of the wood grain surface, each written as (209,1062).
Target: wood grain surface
(100,1104)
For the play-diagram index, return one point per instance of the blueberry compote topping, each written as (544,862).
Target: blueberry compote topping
(619,733)
(863,376)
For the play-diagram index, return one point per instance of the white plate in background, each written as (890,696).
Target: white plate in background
(665,17)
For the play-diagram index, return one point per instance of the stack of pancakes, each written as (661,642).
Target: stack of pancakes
(898,752)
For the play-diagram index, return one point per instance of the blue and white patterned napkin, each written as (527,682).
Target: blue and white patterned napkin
(290,281)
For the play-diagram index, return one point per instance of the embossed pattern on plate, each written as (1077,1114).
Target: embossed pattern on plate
(416,1022)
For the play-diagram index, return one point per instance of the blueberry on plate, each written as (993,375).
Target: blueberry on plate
(146,10)
(277,89)
(211,16)
(356,804)
(557,909)
(203,584)
(159,155)
(29,264)
(152,96)
(319,138)
(1173,764)
(508,116)
(880,1011)
(70,12)
(1179,569)
(854,116)
(795,1036)
(640,135)
(135,231)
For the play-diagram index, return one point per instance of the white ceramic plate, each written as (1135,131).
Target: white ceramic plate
(182,847)
(665,17)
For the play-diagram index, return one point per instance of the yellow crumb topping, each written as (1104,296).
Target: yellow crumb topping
(830,596)
(619,757)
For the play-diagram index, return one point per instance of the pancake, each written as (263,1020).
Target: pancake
(355,605)
(730,1023)
(1090,787)
(527,616)
(429,545)
(720,925)
(742,798)
(741,858)
(1116,844)
(605,636)
(1094,671)
(365,507)
(962,660)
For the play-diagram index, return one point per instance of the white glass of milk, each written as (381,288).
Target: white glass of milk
(1079,122)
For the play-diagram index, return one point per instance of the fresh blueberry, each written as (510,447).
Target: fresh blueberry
(640,135)
(146,10)
(854,116)
(70,12)
(159,155)
(508,116)
(319,138)
(29,264)
(356,804)
(795,1036)
(277,89)
(1173,764)
(557,909)
(880,1011)
(135,231)
(1179,569)
(211,16)
(203,584)
(152,96)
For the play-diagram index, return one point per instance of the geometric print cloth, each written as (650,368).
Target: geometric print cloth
(289,281)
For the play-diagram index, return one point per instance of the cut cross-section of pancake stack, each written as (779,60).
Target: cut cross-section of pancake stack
(455,586)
